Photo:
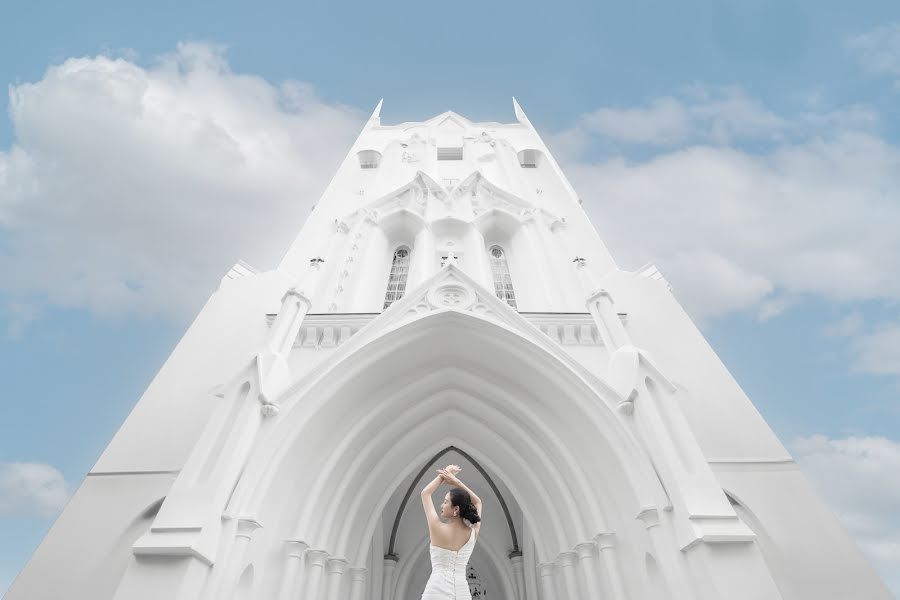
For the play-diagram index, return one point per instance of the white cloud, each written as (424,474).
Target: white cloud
(860,478)
(30,488)
(664,122)
(878,351)
(716,114)
(846,326)
(773,307)
(815,216)
(133,190)
(879,49)
(874,347)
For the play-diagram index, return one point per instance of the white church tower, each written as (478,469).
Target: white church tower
(448,301)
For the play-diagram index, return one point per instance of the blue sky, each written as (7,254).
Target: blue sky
(756,145)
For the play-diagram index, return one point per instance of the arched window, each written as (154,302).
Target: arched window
(502,281)
(397,280)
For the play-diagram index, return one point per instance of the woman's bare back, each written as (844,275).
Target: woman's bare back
(452,538)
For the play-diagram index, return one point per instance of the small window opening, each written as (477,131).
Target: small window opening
(369,159)
(528,159)
(450,153)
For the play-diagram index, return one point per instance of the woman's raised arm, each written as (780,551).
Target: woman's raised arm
(430,514)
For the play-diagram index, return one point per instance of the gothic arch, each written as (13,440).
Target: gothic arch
(514,539)
(399,367)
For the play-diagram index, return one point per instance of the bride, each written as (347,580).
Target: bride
(453,540)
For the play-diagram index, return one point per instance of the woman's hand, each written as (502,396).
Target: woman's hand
(448,470)
(450,478)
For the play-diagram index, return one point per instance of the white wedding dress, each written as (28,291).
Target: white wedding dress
(448,572)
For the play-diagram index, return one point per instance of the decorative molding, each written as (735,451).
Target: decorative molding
(121,473)
(329,330)
(585,550)
(336,565)
(316,557)
(775,464)
(650,271)
(246,526)
(649,516)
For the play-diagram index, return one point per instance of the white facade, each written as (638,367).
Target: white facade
(275,453)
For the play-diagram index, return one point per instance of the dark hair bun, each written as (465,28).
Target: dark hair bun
(461,498)
(470,514)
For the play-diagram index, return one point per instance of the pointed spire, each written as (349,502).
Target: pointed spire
(375,119)
(520,114)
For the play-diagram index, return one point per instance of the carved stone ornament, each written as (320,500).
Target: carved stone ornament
(451,295)
(269,409)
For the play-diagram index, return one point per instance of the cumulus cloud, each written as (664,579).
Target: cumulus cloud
(31,488)
(874,347)
(860,479)
(717,114)
(732,227)
(879,50)
(132,189)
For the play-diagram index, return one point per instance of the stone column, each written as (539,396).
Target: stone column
(587,567)
(335,568)
(485,275)
(296,550)
(545,570)
(568,584)
(295,304)
(358,583)
(518,569)
(609,564)
(387,581)
(600,305)
(315,565)
(422,260)
(674,583)
(234,560)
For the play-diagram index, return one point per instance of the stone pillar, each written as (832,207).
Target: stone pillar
(295,304)
(518,569)
(335,568)
(315,565)
(672,577)
(234,560)
(568,583)
(600,305)
(423,259)
(387,581)
(293,566)
(587,568)
(609,565)
(358,583)
(484,273)
(545,571)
